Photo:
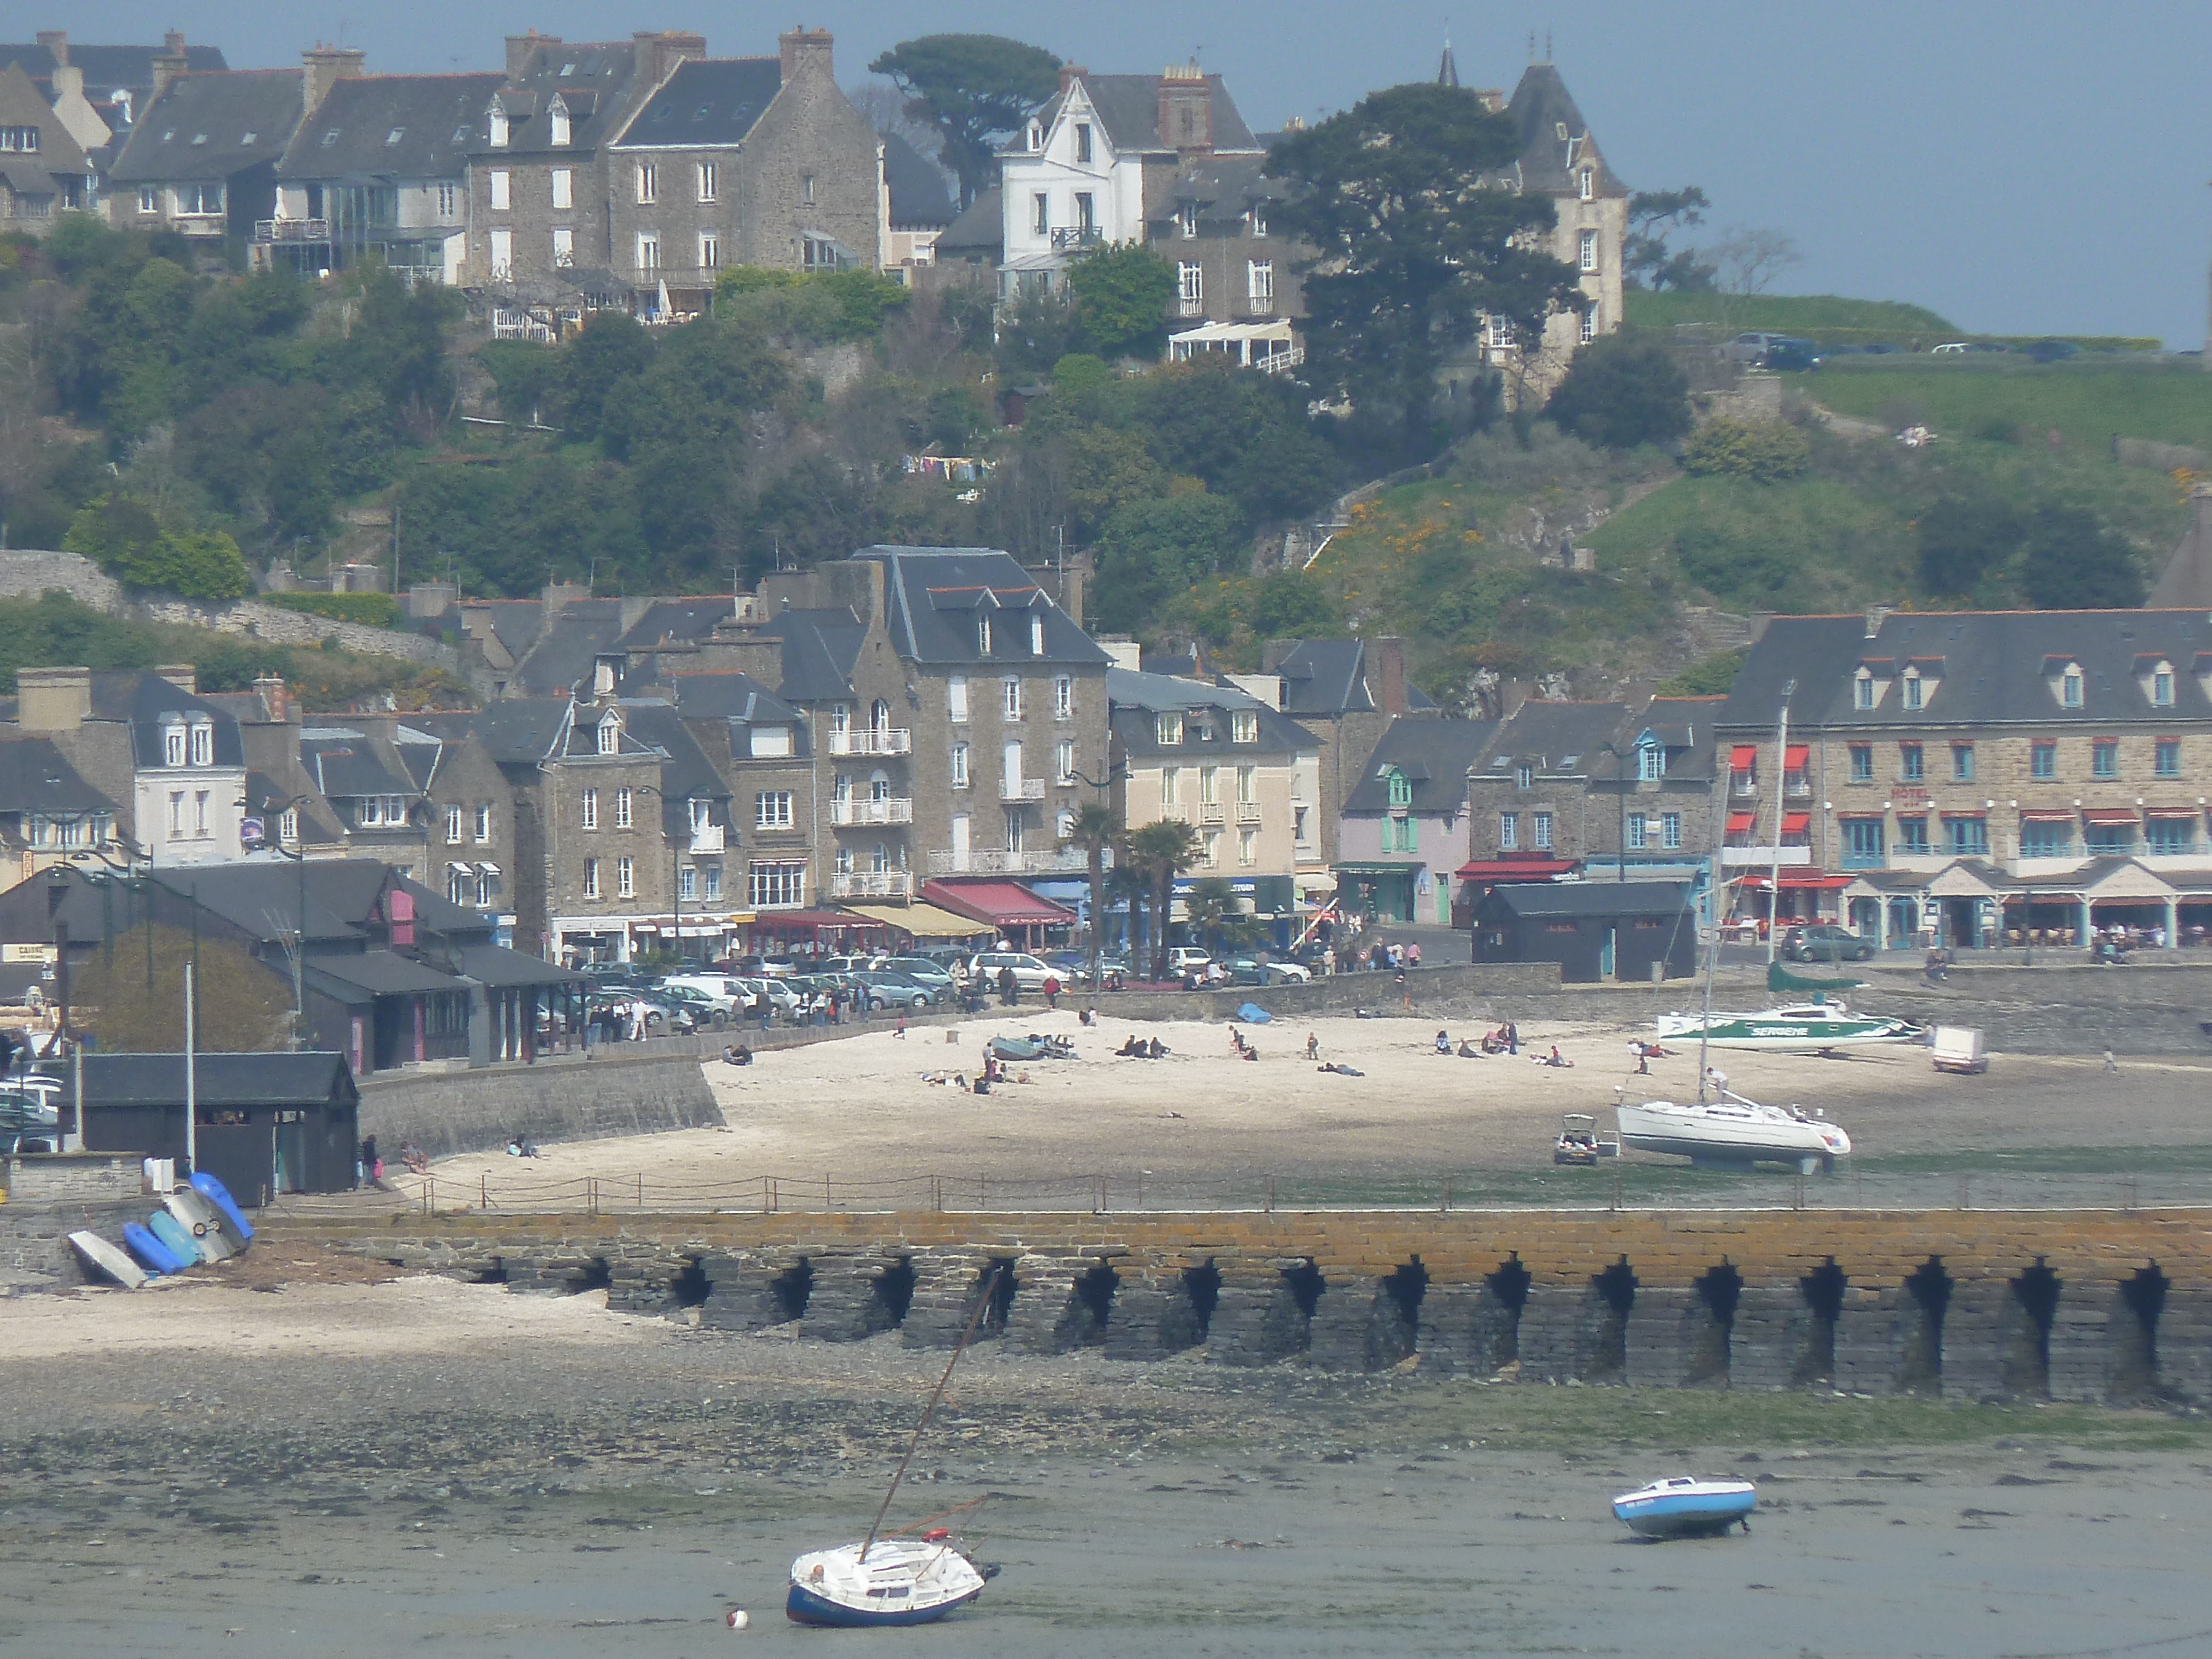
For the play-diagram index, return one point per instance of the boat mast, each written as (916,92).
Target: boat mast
(1781,807)
(982,1301)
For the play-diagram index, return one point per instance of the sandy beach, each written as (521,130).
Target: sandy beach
(441,1470)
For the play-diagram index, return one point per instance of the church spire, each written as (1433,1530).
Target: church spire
(1448,70)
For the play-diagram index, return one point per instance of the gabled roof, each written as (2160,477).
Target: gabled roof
(1433,754)
(683,622)
(1558,738)
(920,200)
(979,229)
(560,660)
(348,763)
(1681,726)
(211,126)
(687,774)
(708,102)
(107,69)
(934,595)
(152,703)
(598,72)
(1136,700)
(521,729)
(1997,668)
(1540,105)
(230,1081)
(819,649)
(22,105)
(34,777)
(391,126)
(1128,108)
(1224,188)
(1328,678)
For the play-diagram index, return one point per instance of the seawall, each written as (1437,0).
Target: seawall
(588,1097)
(2068,1304)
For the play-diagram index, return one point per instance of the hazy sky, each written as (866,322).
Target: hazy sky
(2019,169)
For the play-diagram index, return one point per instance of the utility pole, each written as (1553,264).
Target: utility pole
(1780,804)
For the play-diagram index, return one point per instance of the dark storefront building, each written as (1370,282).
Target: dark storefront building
(267,1123)
(1595,930)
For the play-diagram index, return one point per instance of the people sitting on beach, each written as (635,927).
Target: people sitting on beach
(1468,1051)
(1444,1043)
(738,1055)
(414,1158)
(1236,1040)
(1133,1049)
(1340,1071)
(517,1147)
(1251,1051)
(1086,1016)
(1555,1057)
(1156,1049)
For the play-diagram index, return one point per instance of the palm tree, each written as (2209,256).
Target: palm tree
(1093,830)
(1164,849)
(1215,918)
(1126,884)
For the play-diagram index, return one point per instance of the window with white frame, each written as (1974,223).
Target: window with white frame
(1541,828)
(483,890)
(1190,284)
(1636,832)
(1063,698)
(772,810)
(1862,690)
(500,184)
(982,636)
(1245,726)
(955,697)
(1063,760)
(199,201)
(1588,260)
(1508,831)
(1170,786)
(610,736)
(708,181)
(625,877)
(714,878)
(1212,845)
(1248,847)
(588,805)
(1209,784)
(1586,184)
(623,807)
(203,744)
(648,251)
(1013,688)
(176,814)
(1259,216)
(1187,218)
(777,886)
(1036,633)
(557,122)
(457,886)
(453,826)
(1587,330)
(591,878)
(1913,688)
(1259,281)
(150,198)
(564,187)
(564,248)
(483,823)
(1248,785)
(172,745)
(1041,214)
(710,249)
(687,883)
(502,255)
(1670,830)
(287,827)
(1651,761)
(497,126)
(200,814)
(446,201)
(648,183)
(959,766)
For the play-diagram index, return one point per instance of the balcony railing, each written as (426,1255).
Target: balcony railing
(1248,811)
(1210,811)
(997,861)
(1068,236)
(709,838)
(885,740)
(890,810)
(1021,788)
(291,230)
(872,884)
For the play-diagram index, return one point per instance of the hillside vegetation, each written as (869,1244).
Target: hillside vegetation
(1983,397)
(1785,313)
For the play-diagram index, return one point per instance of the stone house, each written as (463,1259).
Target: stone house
(917,207)
(48,810)
(378,166)
(1242,775)
(744,162)
(43,169)
(98,91)
(1405,832)
(539,184)
(201,160)
(1237,275)
(1971,775)
(1100,162)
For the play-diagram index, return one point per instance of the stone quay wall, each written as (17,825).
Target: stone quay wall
(2081,1305)
(582,1097)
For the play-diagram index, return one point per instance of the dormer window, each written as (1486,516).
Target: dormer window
(557,122)
(203,744)
(1037,137)
(1245,726)
(610,736)
(1036,633)
(1914,691)
(2161,686)
(1863,691)
(1169,729)
(172,745)
(1402,791)
(1258,218)
(1187,218)
(1586,183)
(498,133)
(1651,761)
(2069,687)
(983,636)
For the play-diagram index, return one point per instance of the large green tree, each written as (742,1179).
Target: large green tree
(1620,391)
(1653,217)
(2072,563)
(1961,538)
(1416,235)
(1093,830)
(1121,297)
(972,88)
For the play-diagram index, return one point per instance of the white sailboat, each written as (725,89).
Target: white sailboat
(1794,1028)
(1734,1132)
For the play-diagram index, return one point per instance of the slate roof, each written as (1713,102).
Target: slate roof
(1683,727)
(211,126)
(1588,898)
(1128,108)
(1135,700)
(978,232)
(1328,678)
(727,695)
(933,596)
(108,69)
(21,104)
(708,102)
(920,200)
(1225,187)
(561,657)
(686,622)
(598,72)
(1998,669)
(379,973)
(391,126)
(1560,739)
(687,774)
(218,1079)
(1540,105)
(521,729)
(1434,755)
(35,777)
(347,764)
(147,699)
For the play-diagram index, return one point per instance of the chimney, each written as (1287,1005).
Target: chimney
(1070,74)
(560,594)
(1390,669)
(53,699)
(182,675)
(427,599)
(1875,617)
(323,67)
(275,698)
(69,81)
(56,41)
(802,46)
(518,48)
(168,64)
(1186,108)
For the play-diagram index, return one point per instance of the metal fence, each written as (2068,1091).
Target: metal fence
(1627,1187)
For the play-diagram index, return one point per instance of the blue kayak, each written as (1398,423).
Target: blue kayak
(173,1233)
(226,1206)
(152,1254)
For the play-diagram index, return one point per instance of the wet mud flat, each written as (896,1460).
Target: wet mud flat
(553,1498)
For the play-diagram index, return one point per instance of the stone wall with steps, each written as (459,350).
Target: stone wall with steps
(1978,1304)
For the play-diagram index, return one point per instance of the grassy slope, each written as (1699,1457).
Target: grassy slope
(1794,313)
(2087,403)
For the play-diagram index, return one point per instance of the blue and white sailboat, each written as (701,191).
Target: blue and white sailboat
(1684,1507)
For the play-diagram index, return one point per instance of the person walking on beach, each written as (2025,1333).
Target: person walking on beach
(2111,1064)
(1010,988)
(1414,954)
(1052,991)
(1329,959)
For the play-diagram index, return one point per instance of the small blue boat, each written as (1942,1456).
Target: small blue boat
(153,1254)
(219,1195)
(1686,1508)
(166,1227)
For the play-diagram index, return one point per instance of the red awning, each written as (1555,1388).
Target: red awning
(2171,811)
(1739,823)
(1513,869)
(1794,758)
(2113,814)
(800,922)
(1002,903)
(1795,824)
(1744,758)
(2046,815)
(1816,879)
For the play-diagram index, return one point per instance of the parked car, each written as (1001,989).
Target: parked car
(706,1011)
(1789,353)
(1949,349)
(934,974)
(721,993)
(1824,941)
(1187,959)
(783,999)
(1247,971)
(1029,972)
(849,965)
(882,990)
(2052,351)
(1749,349)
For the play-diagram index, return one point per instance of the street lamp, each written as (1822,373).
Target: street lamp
(675,889)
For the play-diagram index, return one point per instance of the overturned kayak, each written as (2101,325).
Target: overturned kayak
(1684,1507)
